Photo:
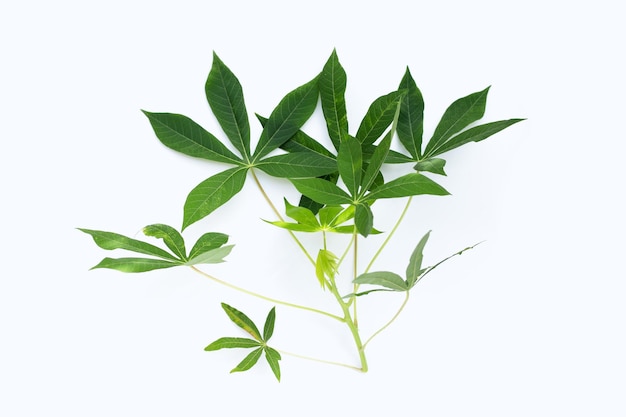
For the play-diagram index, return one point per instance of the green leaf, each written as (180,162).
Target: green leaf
(378,117)
(212,193)
(213,256)
(242,321)
(394,157)
(322,191)
(110,241)
(376,162)
(344,216)
(135,264)
(364,219)
(207,242)
(301,142)
(434,165)
(249,361)
(182,134)
(328,214)
(350,163)
(301,215)
(411,119)
(287,118)
(326,266)
(225,96)
(332,86)
(296,227)
(273,356)
(384,279)
(298,165)
(457,117)
(170,236)
(407,185)
(232,342)
(414,269)
(474,134)
(268,328)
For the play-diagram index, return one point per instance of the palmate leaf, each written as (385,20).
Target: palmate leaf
(231,343)
(298,165)
(457,117)
(378,117)
(384,279)
(301,142)
(212,193)
(135,264)
(273,356)
(170,236)
(213,256)
(301,214)
(207,242)
(287,118)
(243,321)
(322,191)
(411,118)
(110,241)
(182,134)
(225,96)
(249,361)
(407,185)
(332,86)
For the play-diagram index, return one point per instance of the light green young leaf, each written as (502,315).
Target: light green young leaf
(322,191)
(411,119)
(287,118)
(273,356)
(110,241)
(407,185)
(414,269)
(212,193)
(328,214)
(384,279)
(344,216)
(378,117)
(182,134)
(332,86)
(232,342)
(243,321)
(301,215)
(225,96)
(207,242)
(213,256)
(298,165)
(434,165)
(295,227)
(135,264)
(457,117)
(268,328)
(326,266)
(474,134)
(249,361)
(364,219)
(170,236)
(350,163)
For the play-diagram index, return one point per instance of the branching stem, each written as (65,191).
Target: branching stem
(295,355)
(377,332)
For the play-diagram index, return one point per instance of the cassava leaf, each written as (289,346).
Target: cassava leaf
(182,134)
(249,361)
(213,256)
(414,269)
(363,219)
(407,185)
(212,193)
(301,214)
(135,264)
(295,227)
(350,163)
(434,165)
(268,328)
(375,163)
(232,342)
(411,119)
(207,242)
(378,117)
(225,96)
(322,191)
(301,142)
(298,165)
(170,236)
(332,86)
(110,241)
(273,356)
(384,279)
(243,321)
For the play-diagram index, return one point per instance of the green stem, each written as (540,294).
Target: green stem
(272,300)
(395,227)
(355,287)
(406,299)
(275,210)
(353,328)
(295,355)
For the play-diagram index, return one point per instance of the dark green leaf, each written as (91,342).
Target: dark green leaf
(301,215)
(207,242)
(301,142)
(434,165)
(182,134)
(268,328)
(232,342)
(474,134)
(332,85)
(110,241)
(322,191)
(212,193)
(350,163)
(287,118)
(363,219)
(225,96)
(249,361)
(242,321)
(298,165)
(394,157)
(457,117)
(273,356)
(384,279)
(213,256)
(411,119)
(134,264)
(414,269)
(378,117)
(407,185)
(170,236)
(376,162)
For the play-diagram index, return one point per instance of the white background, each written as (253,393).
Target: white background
(531,322)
